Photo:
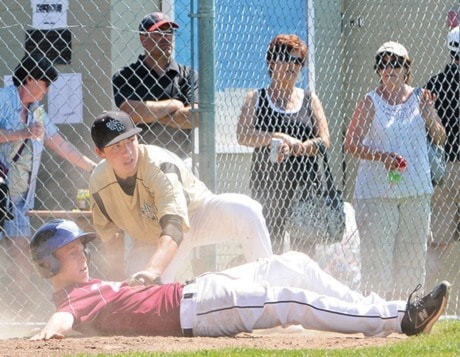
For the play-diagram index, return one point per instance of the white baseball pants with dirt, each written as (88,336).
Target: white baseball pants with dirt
(227,217)
(288,289)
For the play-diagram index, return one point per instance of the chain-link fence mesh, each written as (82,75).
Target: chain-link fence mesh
(91,41)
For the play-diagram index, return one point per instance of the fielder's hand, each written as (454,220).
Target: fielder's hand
(144,277)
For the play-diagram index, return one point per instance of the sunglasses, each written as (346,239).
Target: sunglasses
(287,58)
(293,59)
(392,63)
(160,32)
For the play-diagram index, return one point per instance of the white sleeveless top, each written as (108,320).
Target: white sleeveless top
(397,128)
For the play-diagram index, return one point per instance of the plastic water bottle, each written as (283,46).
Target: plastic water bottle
(39,116)
(82,199)
(275,154)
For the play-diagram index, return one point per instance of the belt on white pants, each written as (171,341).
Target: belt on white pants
(188,308)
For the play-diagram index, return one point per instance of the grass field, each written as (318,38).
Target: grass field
(444,340)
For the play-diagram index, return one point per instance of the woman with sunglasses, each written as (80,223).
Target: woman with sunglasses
(388,133)
(292,115)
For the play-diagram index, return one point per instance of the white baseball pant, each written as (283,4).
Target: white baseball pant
(227,217)
(290,289)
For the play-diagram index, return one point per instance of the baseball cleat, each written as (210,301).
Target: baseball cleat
(421,315)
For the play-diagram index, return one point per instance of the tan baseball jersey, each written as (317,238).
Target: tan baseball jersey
(163,186)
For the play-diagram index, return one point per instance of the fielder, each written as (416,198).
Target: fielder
(276,291)
(149,193)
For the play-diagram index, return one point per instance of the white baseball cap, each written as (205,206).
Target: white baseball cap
(453,40)
(394,48)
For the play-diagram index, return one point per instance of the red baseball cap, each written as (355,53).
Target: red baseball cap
(154,20)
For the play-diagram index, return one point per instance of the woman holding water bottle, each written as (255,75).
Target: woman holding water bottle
(288,121)
(388,133)
(25,129)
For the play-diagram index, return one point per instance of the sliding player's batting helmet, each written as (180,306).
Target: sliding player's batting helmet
(49,238)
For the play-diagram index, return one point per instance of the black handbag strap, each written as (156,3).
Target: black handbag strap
(322,151)
(3,168)
(19,152)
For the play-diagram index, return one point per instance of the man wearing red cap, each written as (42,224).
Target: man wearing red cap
(156,91)
(158,94)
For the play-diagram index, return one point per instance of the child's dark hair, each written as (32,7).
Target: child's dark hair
(36,67)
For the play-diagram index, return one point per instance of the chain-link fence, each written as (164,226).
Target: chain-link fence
(90,41)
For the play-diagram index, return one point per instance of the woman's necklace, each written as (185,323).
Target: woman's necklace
(281,102)
(394,97)
(282,99)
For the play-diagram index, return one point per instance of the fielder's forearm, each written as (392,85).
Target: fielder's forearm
(114,254)
(165,251)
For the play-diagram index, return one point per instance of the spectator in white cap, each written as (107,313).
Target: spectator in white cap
(393,190)
(446,201)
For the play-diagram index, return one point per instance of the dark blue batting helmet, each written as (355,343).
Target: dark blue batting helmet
(50,237)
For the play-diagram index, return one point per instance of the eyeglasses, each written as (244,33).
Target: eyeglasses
(160,32)
(392,63)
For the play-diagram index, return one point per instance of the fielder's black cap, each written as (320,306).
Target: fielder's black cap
(112,127)
(154,20)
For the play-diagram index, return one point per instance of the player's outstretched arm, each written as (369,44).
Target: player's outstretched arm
(165,251)
(57,326)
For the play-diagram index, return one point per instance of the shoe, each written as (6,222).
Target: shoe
(421,314)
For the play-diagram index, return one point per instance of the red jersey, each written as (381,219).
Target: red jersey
(114,308)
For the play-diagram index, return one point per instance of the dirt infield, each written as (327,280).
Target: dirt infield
(278,340)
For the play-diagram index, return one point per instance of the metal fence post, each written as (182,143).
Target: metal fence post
(206,69)
(207,259)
